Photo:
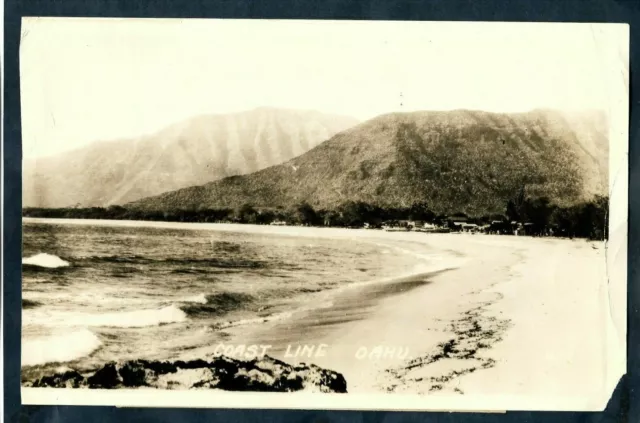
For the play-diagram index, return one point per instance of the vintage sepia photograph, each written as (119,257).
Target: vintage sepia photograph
(323,214)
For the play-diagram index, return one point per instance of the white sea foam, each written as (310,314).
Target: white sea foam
(430,262)
(140,318)
(45,260)
(200,298)
(59,348)
(284,315)
(256,320)
(124,319)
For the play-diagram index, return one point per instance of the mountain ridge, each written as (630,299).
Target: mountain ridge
(461,160)
(187,153)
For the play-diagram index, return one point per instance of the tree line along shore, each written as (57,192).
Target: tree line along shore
(521,216)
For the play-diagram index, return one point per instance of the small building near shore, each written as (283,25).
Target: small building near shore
(469,227)
(406,224)
(458,219)
(457,225)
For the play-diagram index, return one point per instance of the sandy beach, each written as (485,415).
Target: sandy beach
(517,320)
(512,316)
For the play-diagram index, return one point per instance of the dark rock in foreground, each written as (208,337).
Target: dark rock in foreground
(264,374)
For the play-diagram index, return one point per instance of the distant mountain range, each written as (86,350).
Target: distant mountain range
(455,161)
(193,152)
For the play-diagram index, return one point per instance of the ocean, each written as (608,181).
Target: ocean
(94,293)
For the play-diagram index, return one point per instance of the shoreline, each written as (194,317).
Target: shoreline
(434,317)
(284,230)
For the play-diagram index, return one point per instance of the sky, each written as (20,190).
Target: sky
(89,79)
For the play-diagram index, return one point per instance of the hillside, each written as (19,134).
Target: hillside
(193,152)
(458,161)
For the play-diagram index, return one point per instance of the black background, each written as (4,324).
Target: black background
(624,406)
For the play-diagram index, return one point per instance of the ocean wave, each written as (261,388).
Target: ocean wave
(59,348)
(255,320)
(131,259)
(275,317)
(191,271)
(326,300)
(141,318)
(218,262)
(218,304)
(200,298)
(184,264)
(45,260)
(123,319)
(26,303)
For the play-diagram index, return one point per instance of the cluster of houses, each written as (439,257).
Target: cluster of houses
(454,224)
(462,225)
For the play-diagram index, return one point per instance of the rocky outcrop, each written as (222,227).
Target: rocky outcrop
(264,374)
